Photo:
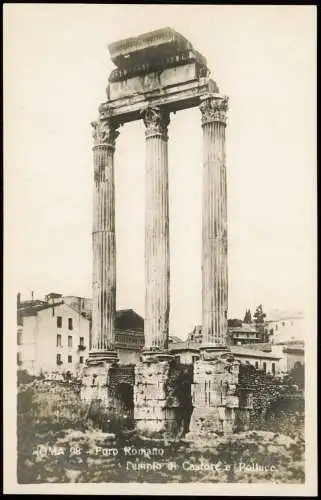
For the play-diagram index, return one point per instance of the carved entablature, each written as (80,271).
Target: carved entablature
(146,66)
(214,109)
(153,51)
(104,132)
(156,122)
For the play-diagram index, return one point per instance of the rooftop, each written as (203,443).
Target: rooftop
(266,347)
(245,351)
(184,346)
(126,319)
(235,349)
(246,327)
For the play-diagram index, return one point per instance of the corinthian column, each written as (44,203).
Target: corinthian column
(157,272)
(214,224)
(103,239)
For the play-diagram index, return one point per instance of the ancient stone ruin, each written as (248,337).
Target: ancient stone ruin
(156,74)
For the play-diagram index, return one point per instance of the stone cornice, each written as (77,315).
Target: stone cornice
(156,122)
(161,64)
(147,41)
(214,109)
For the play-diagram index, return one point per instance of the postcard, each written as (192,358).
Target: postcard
(160,275)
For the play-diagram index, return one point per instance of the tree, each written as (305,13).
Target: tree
(259,315)
(247,317)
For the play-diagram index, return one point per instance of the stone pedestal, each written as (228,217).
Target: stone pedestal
(215,395)
(95,384)
(155,403)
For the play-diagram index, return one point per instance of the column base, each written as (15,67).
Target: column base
(102,356)
(95,388)
(211,352)
(215,395)
(156,406)
(151,356)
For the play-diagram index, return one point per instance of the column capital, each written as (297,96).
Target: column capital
(104,131)
(156,122)
(214,109)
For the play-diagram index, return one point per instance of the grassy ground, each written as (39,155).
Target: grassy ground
(58,443)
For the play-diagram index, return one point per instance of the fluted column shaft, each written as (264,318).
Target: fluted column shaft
(157,272)
(103,237)
(214,223)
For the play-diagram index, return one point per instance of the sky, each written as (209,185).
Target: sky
(56,68)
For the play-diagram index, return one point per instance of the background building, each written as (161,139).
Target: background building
(285,325)
(244,334)
(53,335)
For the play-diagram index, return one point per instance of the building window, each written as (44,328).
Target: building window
(276,328)
(58,359)
(19,361)
(256,364)
(81,359)
(59,321)
(69,359)
(19,337)
(58,340)
(69,323)
(283,323)
(69,341)
(81,341)
(264,367)
(273,368)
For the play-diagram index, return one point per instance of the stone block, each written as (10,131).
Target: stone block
(216,404)
(95,385)
(155,402)
(152,81)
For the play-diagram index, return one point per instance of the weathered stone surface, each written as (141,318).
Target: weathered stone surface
(176,97)
(157,404)
(156,80)
(95,386)
(217,407)
(103,236)
(155,49)
(157,274)
(214,230)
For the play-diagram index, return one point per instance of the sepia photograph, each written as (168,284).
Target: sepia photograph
(160,249)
